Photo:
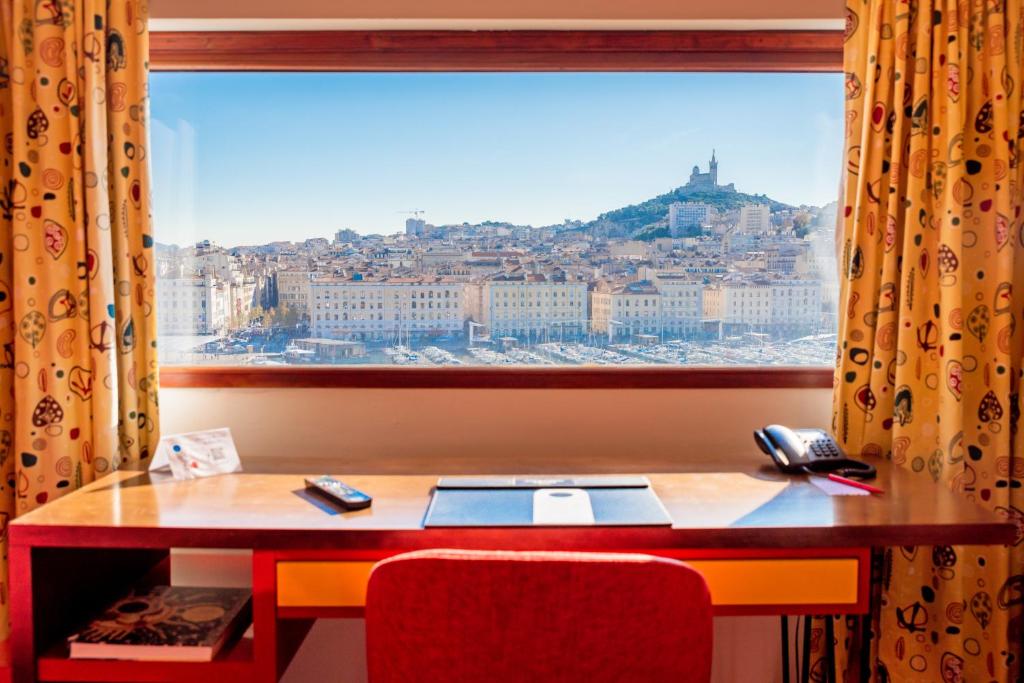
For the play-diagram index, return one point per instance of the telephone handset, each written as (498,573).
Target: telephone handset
(808,450)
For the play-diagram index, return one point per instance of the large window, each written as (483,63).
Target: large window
(454,219)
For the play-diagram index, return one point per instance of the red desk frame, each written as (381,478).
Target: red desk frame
(115,531)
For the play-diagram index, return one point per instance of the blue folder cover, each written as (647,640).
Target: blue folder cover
(514,507)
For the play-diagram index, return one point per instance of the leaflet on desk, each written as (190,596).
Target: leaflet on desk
(197,454)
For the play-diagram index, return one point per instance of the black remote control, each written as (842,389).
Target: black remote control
(343,494)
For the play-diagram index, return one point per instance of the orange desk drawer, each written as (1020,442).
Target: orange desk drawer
(322,583)
(733,582)
(783,581)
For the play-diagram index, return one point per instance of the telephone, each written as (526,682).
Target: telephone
(808,450)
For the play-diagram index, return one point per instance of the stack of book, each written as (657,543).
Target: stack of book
(165,623)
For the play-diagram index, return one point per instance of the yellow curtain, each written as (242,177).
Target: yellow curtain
(930,348)
(78,371)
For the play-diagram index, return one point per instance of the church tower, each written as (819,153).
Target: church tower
(713,170)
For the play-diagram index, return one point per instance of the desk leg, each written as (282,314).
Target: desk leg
(23,649)
(275,641)
(264,615)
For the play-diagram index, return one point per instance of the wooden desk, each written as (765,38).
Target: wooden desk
(756,536)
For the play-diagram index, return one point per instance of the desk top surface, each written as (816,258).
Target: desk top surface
(757,508)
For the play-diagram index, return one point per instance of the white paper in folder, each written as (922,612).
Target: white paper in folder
(562,507)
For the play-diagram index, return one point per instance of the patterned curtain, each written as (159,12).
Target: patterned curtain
(930,353)
(78,371)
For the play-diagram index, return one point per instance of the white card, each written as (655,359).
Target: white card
(562,507)
(197,454)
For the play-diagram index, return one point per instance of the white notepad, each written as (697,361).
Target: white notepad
(562,507)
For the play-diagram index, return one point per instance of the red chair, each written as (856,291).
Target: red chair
(463,616)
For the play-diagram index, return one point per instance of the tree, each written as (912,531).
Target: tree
(256,314)
(802,224)
(283,315)
(289,316)
(651,233)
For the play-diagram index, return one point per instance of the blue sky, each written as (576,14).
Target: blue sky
(248,158)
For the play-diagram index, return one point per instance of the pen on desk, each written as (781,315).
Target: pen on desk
(854,483)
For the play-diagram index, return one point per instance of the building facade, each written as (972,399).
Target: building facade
(773,307)
(415,227)
(755,219)
(682,304)
(524,305)
(242,295)
(386,309)
(686,218)
(193,305)
(293,290)
(797,307)
(623,310)
(635,250)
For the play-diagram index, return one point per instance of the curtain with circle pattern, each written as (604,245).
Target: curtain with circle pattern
(78,375)
(930,343)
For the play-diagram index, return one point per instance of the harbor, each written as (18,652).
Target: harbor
(747,350)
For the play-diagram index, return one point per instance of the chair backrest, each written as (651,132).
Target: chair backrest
(461,616)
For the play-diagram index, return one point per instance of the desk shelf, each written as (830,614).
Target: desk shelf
(235,664)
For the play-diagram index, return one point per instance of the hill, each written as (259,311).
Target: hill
(654,212)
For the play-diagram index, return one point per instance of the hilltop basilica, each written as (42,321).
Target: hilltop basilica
(708,181)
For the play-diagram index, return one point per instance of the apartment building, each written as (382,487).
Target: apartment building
(430,259)
(393,257)
(630,249)
(796,306)
(740,303)
(365,309)
(208,259)
(293,290)
(193,305)
(523,304)
(241,296)
(682,303)
(774,307)
(415,227)
(736,243)
(625,309)
(755,219)
(346,235)
(687,217)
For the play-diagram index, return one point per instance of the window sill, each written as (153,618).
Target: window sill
(790,377)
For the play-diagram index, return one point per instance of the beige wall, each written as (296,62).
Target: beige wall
(509,13)
(462,430)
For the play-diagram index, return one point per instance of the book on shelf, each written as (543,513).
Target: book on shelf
(165,623)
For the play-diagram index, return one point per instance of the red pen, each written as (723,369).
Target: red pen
(854,483)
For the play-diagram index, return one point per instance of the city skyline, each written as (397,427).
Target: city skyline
(204,126)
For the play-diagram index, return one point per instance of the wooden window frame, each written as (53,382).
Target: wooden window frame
(383,51)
